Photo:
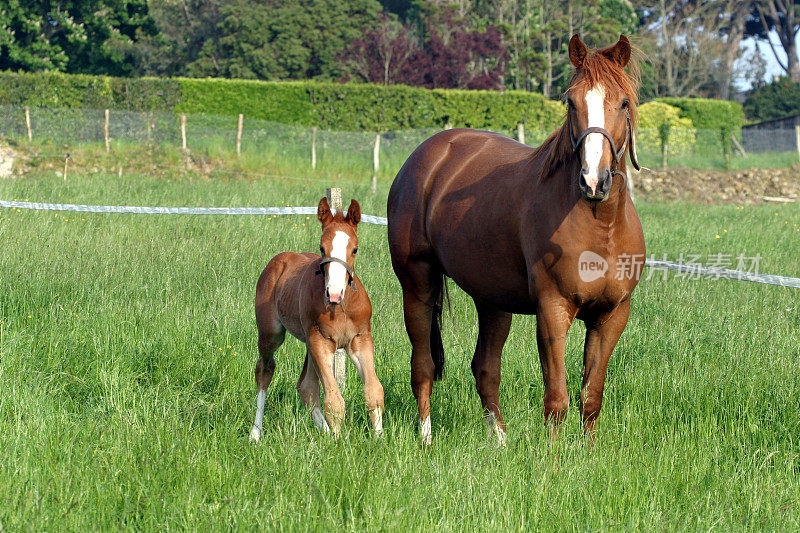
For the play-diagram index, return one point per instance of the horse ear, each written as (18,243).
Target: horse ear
(354,213)
(620,53)
(324,211)
(577,51)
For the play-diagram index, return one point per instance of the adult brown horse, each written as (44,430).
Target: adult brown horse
(549,231)
(320,300)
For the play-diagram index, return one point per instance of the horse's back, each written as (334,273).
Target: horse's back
(280,282)
(446,163)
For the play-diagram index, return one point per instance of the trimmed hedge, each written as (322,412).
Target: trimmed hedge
(723,115)
(54,89)
(331,106)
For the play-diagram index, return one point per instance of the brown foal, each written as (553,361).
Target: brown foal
(321,301)
(549,231)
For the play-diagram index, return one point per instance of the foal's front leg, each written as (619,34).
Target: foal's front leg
(361,351)
(308,387)
(321,350)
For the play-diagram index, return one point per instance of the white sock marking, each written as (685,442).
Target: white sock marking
(319,420)
(425,431)
(495,429)
(337,274)
(261,400)
(377,421)
(593,146)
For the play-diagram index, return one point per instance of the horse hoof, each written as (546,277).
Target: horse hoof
(255,435)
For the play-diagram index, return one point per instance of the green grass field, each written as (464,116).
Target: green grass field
(127,347)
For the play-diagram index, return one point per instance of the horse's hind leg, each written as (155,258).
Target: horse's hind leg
(493,327)
(308,387)
(362,352)
(422,286)
(268,341)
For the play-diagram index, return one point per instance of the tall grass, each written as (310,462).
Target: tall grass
(127,346)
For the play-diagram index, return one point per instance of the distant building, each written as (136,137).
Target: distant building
(776,135)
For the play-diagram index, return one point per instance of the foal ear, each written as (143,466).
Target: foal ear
(354,213)
(577,51)
(620,53)
(324,211)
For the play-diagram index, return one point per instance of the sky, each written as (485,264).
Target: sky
(773,68)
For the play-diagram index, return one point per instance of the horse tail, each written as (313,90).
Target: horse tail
(437,347)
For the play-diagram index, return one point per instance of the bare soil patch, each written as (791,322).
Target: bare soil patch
(750,186)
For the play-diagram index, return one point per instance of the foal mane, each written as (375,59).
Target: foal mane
(597,68)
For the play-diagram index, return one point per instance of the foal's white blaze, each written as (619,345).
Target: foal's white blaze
(261,399)
(593,147)
(425,431)
(495,429)
(337,274)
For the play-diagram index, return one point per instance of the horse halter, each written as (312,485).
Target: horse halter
(347,267)
(617,154)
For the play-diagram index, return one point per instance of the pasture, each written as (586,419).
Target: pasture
(127,346)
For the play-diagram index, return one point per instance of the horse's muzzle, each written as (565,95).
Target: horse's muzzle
(601,189)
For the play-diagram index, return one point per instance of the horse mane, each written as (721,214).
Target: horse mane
(596,68)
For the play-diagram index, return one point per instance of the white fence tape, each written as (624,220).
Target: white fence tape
(769,279)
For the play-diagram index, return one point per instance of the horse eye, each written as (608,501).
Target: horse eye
(625,104)
(355,251)
(321,250)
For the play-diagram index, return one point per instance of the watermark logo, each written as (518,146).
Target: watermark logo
(591,266)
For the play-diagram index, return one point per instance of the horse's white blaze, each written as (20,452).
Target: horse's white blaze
(377,421)
(495,429)
(319,420)
(337,274)
(261,400)
(593,147)
(425,431)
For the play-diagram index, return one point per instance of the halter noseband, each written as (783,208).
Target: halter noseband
(347,267)
(616,154)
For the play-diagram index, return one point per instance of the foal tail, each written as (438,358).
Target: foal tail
(437,347)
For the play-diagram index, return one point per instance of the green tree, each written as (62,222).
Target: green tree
(775,100)
(279,39)
(79,36)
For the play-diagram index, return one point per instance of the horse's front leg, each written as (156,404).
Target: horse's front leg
(554,316)
(321,350)
(362,352)
(602,334)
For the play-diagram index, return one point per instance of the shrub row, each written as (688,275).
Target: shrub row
(326,105)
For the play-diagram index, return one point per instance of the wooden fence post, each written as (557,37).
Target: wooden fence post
(105,132)
(183,132)
(797,139)
(739,146)
(334,195)
(28,123)
(314,148)
(239,135)
(376,161)
(521,132)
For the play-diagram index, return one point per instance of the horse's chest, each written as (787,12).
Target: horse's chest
(591,279)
